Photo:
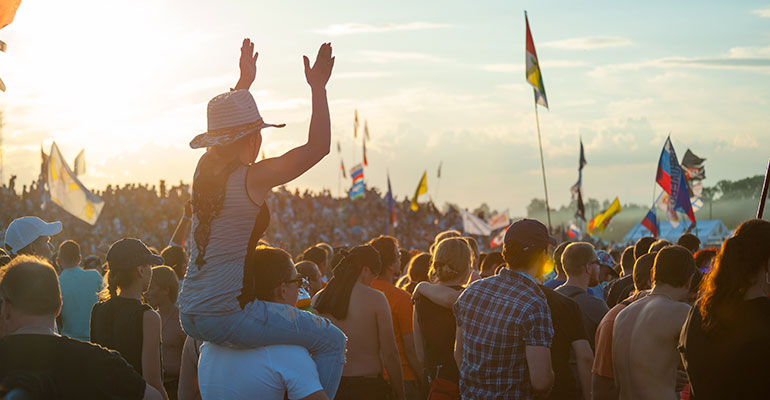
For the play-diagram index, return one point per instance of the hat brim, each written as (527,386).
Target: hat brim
(51,228)
(152,259)
(207,140)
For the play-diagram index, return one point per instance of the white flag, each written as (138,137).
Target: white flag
(499,221)
(475,226)
(80,163)
(68,192)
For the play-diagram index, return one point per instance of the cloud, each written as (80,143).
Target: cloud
(589,43)
(520,67)
(762,13)
(359,75)
(503,67)
(390,56)
(356,28)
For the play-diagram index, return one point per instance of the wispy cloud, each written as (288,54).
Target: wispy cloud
(361,75)
(589,43)
(353,28)
(390,56)
(503,67)
(762,13)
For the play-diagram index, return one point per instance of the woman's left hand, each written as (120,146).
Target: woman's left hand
(248,65)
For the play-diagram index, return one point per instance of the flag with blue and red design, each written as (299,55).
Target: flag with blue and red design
(650,222)
(573,231)
(357,173)
(673,181)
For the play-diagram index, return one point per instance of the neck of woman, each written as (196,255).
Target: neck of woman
(133,291)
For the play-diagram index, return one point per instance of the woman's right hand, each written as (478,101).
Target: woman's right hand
(319,74)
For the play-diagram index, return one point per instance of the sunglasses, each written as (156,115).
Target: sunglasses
(301,282)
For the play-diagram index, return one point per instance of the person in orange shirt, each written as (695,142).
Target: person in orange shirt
(401,310)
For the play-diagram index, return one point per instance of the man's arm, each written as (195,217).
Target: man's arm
(388,347)
(441,295)
(585,358)
(540,373)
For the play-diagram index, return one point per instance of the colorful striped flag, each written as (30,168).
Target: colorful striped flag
(357,173)
(650,222)
(601,220)
(422,188)
(673,181)
(497,240)
(357,190)
(533,73)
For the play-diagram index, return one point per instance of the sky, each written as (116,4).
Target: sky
(437,82)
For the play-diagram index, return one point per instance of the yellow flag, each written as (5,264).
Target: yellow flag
(601,220)
(422,188)
(68,192)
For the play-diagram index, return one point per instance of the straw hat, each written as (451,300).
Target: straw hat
(231,116)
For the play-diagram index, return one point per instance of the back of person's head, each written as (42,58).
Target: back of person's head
(164,278)
(490,263)
(316,255)
(658,245)
(307,269)
(30,285)
(451,260)
(176,258)
(742,261)
(69,253)
(689,242)
(575,258)
(627,261)
(92,262)
(674,266)
(704,258)
(387,246)
(444,235)
(271,267)
(643,272)
(329,251)
(474,246)
(339,254)
(418,267)
(124,260)
(642,246)
(557,253)
(405,257)
(335,298)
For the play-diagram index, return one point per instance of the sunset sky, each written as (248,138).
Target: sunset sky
(436,80)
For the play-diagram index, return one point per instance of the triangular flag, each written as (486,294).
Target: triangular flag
(474,225)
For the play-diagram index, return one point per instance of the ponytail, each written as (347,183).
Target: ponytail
(115,279)
(335,298)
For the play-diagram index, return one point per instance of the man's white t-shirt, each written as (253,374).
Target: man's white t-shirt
(264,373)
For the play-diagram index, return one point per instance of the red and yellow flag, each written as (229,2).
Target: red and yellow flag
(534,75)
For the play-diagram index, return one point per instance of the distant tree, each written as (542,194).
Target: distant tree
(746,188)
(535,206)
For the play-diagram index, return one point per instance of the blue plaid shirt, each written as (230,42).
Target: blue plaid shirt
(500,316)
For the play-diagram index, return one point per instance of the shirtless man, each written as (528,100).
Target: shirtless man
(363,314)
(645,336)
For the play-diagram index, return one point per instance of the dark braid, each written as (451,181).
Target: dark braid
(208,198)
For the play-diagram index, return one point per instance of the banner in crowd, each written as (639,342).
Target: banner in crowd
(534,76)
(601,220)
(650,222)
(499,221)
(474,225)
(80,162)
(68,192)
(422,188)
(673,181)
(573,231)
(498,239)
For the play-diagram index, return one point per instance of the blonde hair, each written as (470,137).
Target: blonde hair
(443,235)
(165,277)
(451,259)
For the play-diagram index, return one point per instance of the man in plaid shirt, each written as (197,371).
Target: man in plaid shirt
(504,329)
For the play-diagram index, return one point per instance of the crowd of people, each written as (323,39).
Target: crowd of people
(260,293)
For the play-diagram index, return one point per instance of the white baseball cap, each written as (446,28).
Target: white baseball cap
(25,230)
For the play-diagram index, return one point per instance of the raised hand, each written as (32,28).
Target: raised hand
(319,74)
(248,65)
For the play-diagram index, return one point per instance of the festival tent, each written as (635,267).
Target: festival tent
(710,232)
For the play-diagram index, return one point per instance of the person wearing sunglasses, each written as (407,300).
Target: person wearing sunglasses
(269,372)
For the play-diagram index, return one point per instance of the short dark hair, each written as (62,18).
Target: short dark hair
(643,271)
(658,245)
(418,267)
(642,246)
(518,258)
(387,246)
(316,255)
(674,266)
(703,256)
(176,258)
(31,285)
(490,263)
(576,256)
(69,252)
(689,242)
(627,261)
(271,266)
(307,268)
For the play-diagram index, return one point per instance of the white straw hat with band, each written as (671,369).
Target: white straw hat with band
(231,116)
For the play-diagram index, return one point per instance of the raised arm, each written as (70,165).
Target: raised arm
(273,172)
(441,295)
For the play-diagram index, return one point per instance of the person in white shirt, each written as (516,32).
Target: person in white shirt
(267,372)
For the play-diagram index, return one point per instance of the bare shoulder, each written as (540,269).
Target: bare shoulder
(151,317)
(374,297)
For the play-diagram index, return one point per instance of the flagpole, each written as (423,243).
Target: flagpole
(542,162)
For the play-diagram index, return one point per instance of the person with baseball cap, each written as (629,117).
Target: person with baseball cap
(32,236)
(504,329)
(121,321)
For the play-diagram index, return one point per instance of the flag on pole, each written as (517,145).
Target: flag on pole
(43,165)
(66,190)
(80,163)
(355,125)
(650,222)
(533,73)
(573,231)
(439,169)
(474,225)
(357,173)
(601,220)
(498,239)
(366,130)
(339,148)
(422,188)
(357,190)
(392,222)
(577,188)
(342,167)
(499,221)
(673,182)
(366,162)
